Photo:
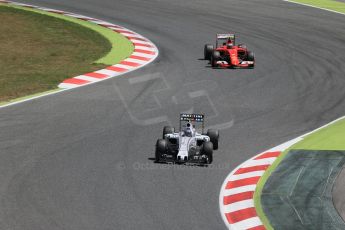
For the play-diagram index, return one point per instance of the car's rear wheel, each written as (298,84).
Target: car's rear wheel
(168,130)
(208,49)
(215,58)
(161,148)
(214,137)
(207,149)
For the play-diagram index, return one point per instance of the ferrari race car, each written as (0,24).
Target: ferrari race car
(187,145)
(228,55)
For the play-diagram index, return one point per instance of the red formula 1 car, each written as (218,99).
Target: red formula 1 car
(228,55)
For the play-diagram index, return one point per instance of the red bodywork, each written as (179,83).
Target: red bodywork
(233,57)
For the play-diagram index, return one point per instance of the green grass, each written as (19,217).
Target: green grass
(327,4)
(121,47)
(329,138)
(40,49)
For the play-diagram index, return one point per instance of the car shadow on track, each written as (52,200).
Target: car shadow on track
(178,164)
(208,64)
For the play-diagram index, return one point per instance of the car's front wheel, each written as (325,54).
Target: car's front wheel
(251,57)
(161,148)
(214,137)
(207,149)
(215,58)
(208,49)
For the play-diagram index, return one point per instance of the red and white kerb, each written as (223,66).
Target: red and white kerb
(237,194)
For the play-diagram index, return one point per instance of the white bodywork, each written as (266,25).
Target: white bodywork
(222,62)
(187,143)
(247,63)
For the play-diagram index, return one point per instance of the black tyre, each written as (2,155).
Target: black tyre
(167,130)
(207,149)
(208,49)
(215,57)
(250,56)
(214,137)
(161,148)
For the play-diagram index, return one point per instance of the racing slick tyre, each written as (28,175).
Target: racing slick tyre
(208,49)
(207,149)
(214,137)
(168,130)
(215,57)
(161,148)
(251,57)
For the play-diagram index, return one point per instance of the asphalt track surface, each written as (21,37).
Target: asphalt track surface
(82,159)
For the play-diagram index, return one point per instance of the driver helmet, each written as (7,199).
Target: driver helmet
(188,131)
(229,43)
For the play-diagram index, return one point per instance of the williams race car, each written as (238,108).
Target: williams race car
(228,55)
(187,145)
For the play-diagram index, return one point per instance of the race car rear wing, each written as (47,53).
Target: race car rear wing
(198,118)
(220,36)
(225,37)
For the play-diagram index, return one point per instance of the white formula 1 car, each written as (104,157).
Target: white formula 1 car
(187,145)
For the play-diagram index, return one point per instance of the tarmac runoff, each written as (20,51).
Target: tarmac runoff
(298,194)
(302,190)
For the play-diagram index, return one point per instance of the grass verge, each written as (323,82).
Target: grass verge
(326,4)
(329,138)
(36,95)
(40,49)
(121,47)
